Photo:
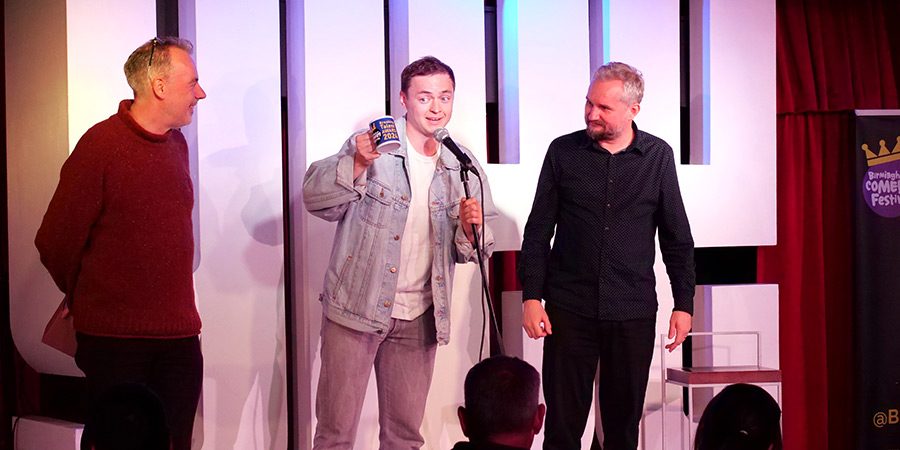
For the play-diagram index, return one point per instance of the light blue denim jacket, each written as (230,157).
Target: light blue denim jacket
(371,214)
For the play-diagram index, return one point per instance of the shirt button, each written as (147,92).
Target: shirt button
(607,205)
(396,237)
(386,304)
(610,181)
(394,269)
(404,197)
(606,229)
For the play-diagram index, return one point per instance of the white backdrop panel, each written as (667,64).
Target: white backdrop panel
(720,309)
(653,48)
(65,76)
(544,48)
(101,35)
(461,46)
(240,280)
(731,201)
(336,86)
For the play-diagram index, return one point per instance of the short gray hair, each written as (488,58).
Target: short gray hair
(138,67)
(631,78)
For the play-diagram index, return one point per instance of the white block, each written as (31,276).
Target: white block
(42,433)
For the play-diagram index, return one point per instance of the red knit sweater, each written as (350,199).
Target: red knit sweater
(117,236)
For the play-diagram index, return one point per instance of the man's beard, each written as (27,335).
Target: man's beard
(602,133)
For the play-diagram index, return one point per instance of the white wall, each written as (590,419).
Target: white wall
(65,73)
(96,46)
(240,280)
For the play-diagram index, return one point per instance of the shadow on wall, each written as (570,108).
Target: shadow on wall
(240,283)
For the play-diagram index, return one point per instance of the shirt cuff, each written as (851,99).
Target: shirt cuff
(686,305)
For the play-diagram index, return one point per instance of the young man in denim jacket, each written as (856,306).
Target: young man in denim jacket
(403,224)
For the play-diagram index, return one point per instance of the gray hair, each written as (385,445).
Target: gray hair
(631,78)
(140,69)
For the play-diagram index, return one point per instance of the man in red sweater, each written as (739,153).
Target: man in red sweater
(117,239)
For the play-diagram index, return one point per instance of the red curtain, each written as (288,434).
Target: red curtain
(833,57)
(812,264)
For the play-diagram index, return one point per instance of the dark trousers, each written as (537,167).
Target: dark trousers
(579,345)
(171,368)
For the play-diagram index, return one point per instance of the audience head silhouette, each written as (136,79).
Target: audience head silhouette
(501,395)
(741,417)
(126,417)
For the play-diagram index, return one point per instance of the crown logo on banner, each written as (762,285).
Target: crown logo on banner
(884,155)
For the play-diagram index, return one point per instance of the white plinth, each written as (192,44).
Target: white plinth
(42,433)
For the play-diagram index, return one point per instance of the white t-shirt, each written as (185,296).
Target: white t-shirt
(416,248)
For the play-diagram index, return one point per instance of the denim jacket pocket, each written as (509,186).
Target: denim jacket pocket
(375,206)
(453,210)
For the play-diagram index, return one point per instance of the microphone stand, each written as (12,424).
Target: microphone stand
(464,177)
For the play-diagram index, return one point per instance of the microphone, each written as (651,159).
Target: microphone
(443,136)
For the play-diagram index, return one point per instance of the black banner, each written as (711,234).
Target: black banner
(877,281)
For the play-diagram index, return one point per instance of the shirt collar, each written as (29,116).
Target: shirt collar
(124,114)
(637,143)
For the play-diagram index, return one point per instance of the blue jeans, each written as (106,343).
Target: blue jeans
(403,358)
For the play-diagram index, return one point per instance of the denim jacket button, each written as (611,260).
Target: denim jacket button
(396,237)
(386,304)
(393,270)
(404,197)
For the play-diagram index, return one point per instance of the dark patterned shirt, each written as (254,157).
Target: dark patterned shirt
(605,210)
